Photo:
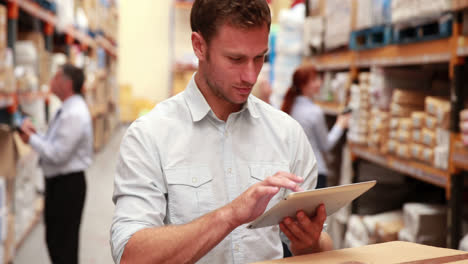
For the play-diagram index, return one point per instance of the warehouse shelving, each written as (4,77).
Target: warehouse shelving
(9,102)
(451,51)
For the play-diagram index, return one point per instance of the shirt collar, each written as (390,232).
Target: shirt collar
(199,107)
(69,101)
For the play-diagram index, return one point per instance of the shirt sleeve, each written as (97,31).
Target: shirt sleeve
(59,148)
(326,140)
(139,188)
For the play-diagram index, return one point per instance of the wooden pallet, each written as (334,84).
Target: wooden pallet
(371,38)
(430,30)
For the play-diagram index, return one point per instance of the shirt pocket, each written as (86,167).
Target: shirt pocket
(190,193)
(259,172)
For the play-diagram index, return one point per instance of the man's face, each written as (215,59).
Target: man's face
(233,60)
(59,85)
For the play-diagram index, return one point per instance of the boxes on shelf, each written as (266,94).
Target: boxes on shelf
(359,102)
(424,224)
(371,13)
(428,137)
(418,119)
(339,20)
(406,10)
(416,151)
(314,27)
(99,132)
(370,229)
(427,155)
(439,108)
(3,28)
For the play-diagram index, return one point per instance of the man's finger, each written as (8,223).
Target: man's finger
(288,233)
(297,231)
(283,182)
(320,214)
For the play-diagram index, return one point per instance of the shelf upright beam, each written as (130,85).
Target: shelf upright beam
(49,46)
(13,15)
(454,190)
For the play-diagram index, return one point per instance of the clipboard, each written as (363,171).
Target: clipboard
(334,198)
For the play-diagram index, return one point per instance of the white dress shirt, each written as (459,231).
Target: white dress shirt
(312,119)
(68,144)
(180,162)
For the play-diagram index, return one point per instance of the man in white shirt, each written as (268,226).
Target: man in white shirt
(65,153)
(201,165)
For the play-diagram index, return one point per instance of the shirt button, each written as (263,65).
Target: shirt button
(236,248)
(229,170)
(194,179)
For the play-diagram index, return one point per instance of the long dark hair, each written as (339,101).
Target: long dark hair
(301,77)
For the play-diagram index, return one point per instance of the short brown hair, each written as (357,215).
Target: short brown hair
(208,15)
(76,75)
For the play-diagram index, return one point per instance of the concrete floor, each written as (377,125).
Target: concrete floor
(97,216)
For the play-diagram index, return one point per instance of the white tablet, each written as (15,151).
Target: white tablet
(333,198)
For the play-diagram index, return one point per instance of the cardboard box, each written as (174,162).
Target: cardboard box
(404,136)
(416,151)
(427,155)
(441,157)
(425,223)
(394,123)
(430,122)
(407,97)
(403,151)
(405,124)
(418,119)
(383,253)
(392,146)
(443,137)
(438,107)
(428,137)
(3,27)
(403,110)
(416,136)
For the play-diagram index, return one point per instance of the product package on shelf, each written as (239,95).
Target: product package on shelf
(360,117)
(425,224)
(436,132)
(289,48)
(335,88)
(371,13)
(370,229)
(338,17)
(416,151)
(406,10)
(313,35)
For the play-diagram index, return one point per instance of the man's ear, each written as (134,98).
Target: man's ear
(199,46)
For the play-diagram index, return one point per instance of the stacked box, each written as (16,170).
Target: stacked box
(406,10)
(378,130)
(404,103)
(371,13)
(436,135)
(28,174)
(339,21)
(359,123)
(418,120)
(424,224)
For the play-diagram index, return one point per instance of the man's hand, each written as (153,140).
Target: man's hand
(253,202)
(305,232)
(26,130)
(464,125)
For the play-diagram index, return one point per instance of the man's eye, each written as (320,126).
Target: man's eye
(235,59)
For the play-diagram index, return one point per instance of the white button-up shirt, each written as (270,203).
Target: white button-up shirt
(180,162)
(68,144)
